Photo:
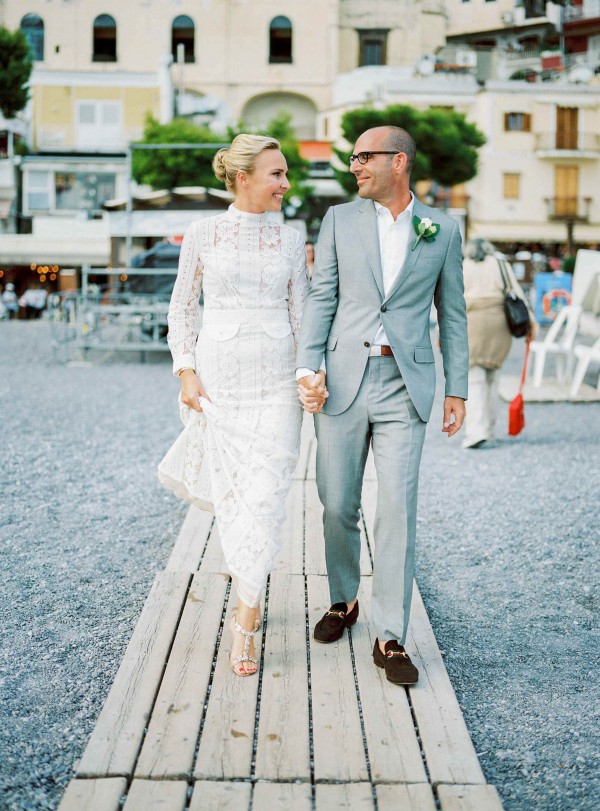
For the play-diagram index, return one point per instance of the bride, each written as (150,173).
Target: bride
(238,388)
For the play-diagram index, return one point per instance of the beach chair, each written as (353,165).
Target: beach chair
(585,355)
(559,341)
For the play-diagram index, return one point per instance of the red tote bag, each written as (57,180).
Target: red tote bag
(516,409)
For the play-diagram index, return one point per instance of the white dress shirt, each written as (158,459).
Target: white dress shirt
(394,238)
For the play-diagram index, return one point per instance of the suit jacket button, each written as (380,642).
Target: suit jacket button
(367,343)
(383,308)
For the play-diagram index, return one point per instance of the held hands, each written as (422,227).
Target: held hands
(192,389)
(312,392)
(453,406)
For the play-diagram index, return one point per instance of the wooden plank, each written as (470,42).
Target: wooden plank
(283,737)
(216,796)
(190,543)
(94,795)
(290,555)
(411,797)
(115,741)
(282,797)
(156,795)
(226,745)
(350,796)
(337,735)
(314,551)
(169,745)
(392,741)
(469,798)
(445,740)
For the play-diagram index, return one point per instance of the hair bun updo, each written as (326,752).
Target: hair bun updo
(240,157)
(218,164)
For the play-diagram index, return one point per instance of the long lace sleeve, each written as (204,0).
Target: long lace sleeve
(298,289)
(184,309)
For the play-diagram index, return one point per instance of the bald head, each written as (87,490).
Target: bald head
(396,139)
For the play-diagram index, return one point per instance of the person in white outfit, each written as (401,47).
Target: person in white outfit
(242,436)
(489,337)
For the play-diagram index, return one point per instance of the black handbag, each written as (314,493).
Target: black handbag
(515,309)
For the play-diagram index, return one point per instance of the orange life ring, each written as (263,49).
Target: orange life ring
(553,301)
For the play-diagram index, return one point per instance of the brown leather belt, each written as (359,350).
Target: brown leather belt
(377,350)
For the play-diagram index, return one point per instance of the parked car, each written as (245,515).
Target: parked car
(161,255)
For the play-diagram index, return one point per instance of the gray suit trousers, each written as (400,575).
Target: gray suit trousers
(382,415)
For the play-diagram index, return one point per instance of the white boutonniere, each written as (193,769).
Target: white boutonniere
(426,229)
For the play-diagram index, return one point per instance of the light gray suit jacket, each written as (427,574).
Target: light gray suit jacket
(347,303)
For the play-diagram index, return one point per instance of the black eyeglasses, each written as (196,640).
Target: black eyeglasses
(363,157)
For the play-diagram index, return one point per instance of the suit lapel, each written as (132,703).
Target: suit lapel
(419,210)
(370,237)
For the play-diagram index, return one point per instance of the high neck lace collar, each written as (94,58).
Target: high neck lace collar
(246,216)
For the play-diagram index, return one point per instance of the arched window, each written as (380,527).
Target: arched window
(280,40)
(32,27)
(183,33)
(105,39)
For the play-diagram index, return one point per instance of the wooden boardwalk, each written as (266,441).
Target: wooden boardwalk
(319,728)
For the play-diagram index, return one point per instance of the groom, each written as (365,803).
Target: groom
(381,260)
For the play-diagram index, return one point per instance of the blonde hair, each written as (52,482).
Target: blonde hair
(240,157)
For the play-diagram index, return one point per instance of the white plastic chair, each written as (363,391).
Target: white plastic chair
(559,341)
(586,355)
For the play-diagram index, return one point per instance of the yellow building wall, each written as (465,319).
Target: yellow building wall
(55,111)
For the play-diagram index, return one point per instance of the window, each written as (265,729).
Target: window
(99,125)
(280,40)
(38,190)
(535,8)
(105,39)
(512,184)
(183,34)
(372,47)
(567,127)
(76,191)
(32,27)
(566,189)
(517,122)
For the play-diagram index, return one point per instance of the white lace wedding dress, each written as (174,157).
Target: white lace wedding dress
(237,456)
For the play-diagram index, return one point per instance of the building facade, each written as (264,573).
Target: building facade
(102,66)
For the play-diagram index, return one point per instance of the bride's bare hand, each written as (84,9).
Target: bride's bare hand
(192,389)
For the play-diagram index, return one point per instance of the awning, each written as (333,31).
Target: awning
(156,223)
(25,249)
(531,231)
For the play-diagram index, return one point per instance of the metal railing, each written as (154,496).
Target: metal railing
(101,319)
(576,142)
(573,209)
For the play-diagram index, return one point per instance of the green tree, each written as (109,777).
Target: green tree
(166,169)
(169,168)
(447,143)
(15,70)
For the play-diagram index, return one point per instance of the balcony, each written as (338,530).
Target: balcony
(589,9)
(580,145)
(568,209)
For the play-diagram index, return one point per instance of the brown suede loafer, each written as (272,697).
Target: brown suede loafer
(397,664)
(331,627)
